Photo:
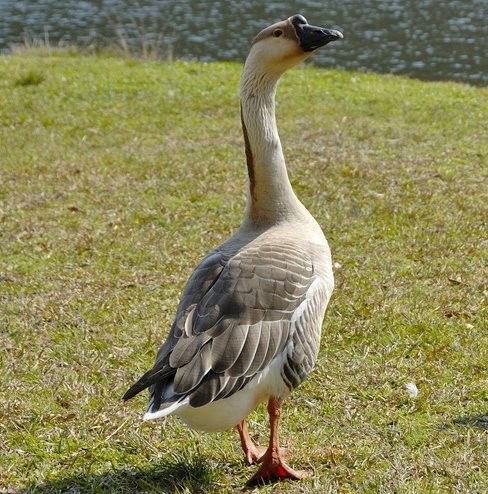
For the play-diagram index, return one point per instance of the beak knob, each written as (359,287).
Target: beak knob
(313,37)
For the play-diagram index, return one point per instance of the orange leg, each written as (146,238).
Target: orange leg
(252,452)
(273,466)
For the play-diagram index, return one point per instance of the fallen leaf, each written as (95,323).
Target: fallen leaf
(68,417)
(455,281)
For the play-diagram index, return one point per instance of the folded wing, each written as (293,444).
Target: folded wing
(237,313)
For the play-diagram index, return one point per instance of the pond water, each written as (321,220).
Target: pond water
(427,39)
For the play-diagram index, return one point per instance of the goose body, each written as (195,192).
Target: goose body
(248,325)
(279,281)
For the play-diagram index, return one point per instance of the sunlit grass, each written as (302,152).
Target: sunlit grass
(116,176)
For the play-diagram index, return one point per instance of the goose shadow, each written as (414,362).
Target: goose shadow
(172,475)
(478,421)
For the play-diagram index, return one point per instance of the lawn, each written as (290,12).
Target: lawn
(116,177)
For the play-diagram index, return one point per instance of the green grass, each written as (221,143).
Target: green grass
(116,176)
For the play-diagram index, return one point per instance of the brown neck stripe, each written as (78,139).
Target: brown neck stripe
(249,158)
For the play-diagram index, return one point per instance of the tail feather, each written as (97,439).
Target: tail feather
(167,408)
(156,374)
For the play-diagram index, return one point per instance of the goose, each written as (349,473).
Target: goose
(248,326)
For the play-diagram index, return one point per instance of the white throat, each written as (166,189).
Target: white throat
(270,195)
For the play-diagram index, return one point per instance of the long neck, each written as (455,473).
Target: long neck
(270,195)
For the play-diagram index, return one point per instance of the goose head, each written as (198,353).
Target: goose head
(287,43)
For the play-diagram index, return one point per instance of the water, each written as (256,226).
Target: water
(427,39)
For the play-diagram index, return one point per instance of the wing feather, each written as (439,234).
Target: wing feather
(227,347)
(186,348)
(191,374)
(248,352)
(237,313)
(207,391)
(261,350)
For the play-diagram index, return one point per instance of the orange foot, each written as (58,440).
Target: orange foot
(272,470)
(284,453)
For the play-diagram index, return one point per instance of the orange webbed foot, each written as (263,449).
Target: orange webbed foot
(273,469)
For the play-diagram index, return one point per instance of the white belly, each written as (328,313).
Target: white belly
(224,414)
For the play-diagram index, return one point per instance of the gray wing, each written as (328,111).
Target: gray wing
(236,314)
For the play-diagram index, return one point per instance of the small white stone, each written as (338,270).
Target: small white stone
(469,326)
(412,390)
(337,265)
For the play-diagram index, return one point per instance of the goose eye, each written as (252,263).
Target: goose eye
(277,33)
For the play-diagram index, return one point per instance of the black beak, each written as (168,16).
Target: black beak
(313,37)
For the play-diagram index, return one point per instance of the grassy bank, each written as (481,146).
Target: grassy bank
(116,176)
